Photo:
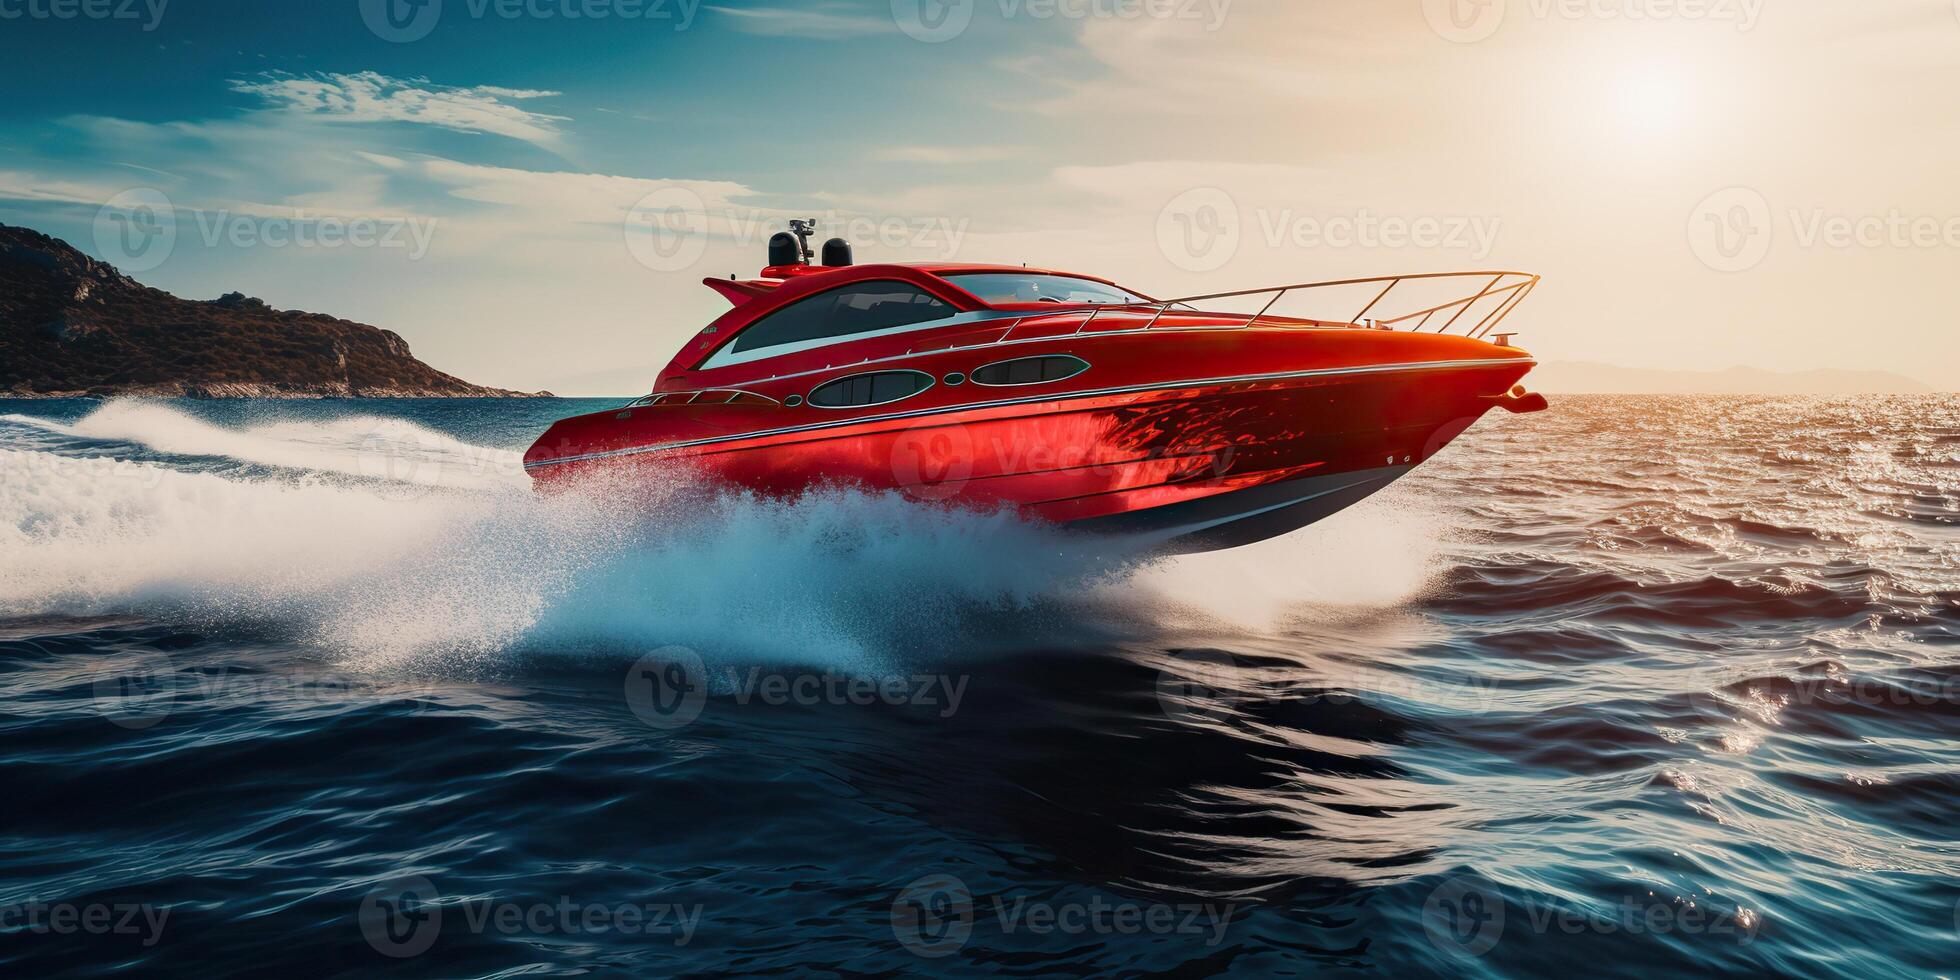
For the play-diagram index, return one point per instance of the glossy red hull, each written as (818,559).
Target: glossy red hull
(1191,432)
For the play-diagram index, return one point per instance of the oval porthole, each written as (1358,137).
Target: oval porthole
(954,378)
(1030,370)
(793,400)
(864,390)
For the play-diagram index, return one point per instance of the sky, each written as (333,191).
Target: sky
(530,191)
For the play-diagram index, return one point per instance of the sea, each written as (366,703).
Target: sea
(1638,686)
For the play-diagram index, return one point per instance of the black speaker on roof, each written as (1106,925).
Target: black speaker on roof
(784,250)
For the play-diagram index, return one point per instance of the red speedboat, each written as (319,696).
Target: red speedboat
(1064,396)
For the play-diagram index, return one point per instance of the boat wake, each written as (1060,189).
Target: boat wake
(396,547)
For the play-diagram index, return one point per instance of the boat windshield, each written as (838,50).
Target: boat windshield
(1017,287)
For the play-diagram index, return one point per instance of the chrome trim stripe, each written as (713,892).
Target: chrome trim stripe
(1033,399)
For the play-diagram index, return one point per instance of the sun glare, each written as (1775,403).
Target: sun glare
(1650,100)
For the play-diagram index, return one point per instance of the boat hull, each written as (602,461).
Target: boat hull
(1178,467)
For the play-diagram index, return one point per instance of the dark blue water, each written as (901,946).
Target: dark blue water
(1630,687)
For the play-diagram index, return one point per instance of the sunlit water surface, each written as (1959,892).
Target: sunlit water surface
(1635,685)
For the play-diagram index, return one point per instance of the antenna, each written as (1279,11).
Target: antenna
(803,228)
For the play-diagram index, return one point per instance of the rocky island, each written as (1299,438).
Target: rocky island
(72,326)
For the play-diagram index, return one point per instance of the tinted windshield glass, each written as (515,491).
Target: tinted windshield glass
(1009,287)
(841,312)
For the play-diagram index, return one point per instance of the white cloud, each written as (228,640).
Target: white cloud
(823,21)
(18,185)
(373,97)
(572,197)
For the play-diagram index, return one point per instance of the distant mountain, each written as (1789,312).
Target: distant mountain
(1574,377)
(70,325)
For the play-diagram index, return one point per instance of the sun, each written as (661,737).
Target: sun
(1650,99)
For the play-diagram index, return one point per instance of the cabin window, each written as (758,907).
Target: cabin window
(1030,370)
(875,388)
(855,309)
(1026,287)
